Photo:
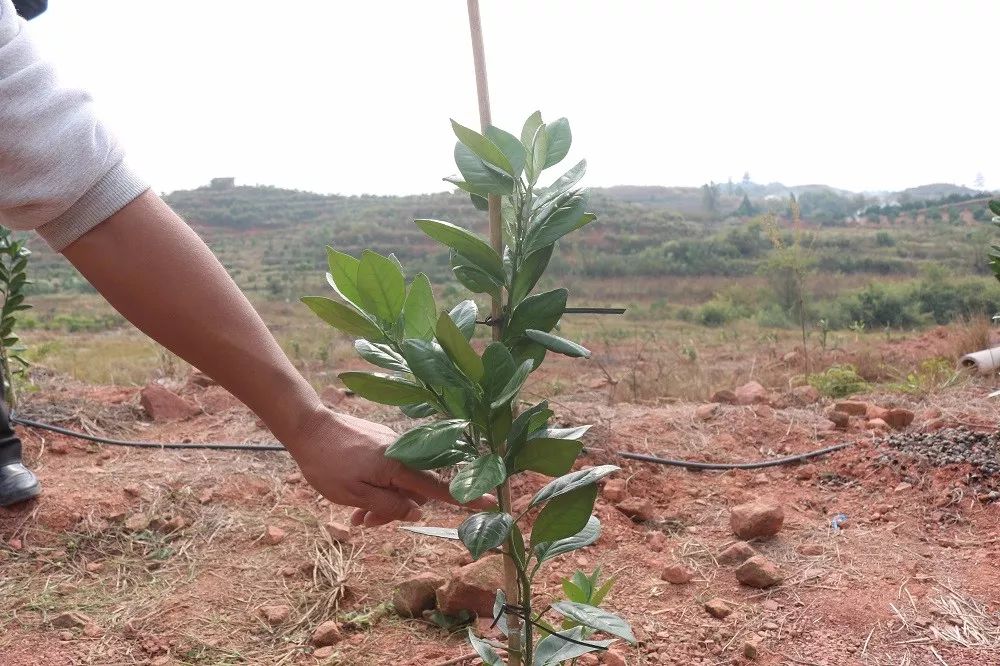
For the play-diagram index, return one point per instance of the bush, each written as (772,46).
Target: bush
(884,239)
(838,381)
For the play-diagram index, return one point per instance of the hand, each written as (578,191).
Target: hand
(343,457)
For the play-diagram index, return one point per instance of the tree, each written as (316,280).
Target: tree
(746,209)
(710,198)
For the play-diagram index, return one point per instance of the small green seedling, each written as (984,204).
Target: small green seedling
(13,279)
(433,370)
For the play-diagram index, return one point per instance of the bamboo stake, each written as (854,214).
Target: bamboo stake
(512,585)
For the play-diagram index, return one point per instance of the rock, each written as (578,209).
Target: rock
(323,652)
(71,620)
(839,419)
(707,411)
(902,487)
(751,649)
(718,608)
(472,588)
(95,567)
(276,615)
(201,380)
(878,424)
(752,393)
(174,524)
(65,635)
(638,509)
(293,478)
(163,405)
(132,490)
(93,631)
(738,553)
(770,605)
(805,472)
(614,490)
(806,395)
(852,407)
(60,448)
(756,519)
(338,531)
(273,535)
(415,595)
(933,425)
(677,574)
(325,634)
(811,549)
(725,396)
(656,541)
(758,572)
(332,396)
(613,658)
(876,412)
(899,418)
(137,522)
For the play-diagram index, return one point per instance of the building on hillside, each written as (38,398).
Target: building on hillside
(222,183)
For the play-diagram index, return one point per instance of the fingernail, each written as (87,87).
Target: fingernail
(414,514)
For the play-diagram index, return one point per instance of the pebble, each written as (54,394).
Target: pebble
(273,535)
(948,446)
(718,608)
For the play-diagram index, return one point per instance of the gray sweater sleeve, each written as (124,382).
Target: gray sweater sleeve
(61,171)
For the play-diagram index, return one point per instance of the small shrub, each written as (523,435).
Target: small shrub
(838,381)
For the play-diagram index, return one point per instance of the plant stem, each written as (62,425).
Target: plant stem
(511,582)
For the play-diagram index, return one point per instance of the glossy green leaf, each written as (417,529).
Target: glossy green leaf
(420,410)
(539,311)
(465,315)
(429,362)
(479,178)
(465,243)
(513,386)
(529,273)
(529,128)
(382,286)
(553,650)
(458,348)
(385,389)
(479,201)
(458,402)
(500,422)
(559,138)
(553,457)
(557,344)
(483,147)
(572,481)
(381,355)
(561,185)
(478,478)
(484,650)
(573,591)
(535,163)
(438,532)
(595,618)
(585,537)
(477,280)
(430,446)
(344,274)
(560,433)
(564,515)
(498,612)
(566,218)
(342,317)
(510,146)
(498,367)
(598,595)
(534,417)
(482,532)
(419,309)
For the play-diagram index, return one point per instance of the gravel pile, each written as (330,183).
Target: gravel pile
(952,446)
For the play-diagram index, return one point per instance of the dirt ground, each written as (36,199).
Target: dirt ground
(165,551)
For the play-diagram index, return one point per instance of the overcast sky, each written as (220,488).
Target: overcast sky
(354,97)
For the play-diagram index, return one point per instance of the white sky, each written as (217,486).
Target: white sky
(354,97)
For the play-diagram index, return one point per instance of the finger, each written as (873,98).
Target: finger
(388,504)
(430,485)
(374,520)
(358,517)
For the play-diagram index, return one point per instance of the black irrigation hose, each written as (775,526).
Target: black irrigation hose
(687,464)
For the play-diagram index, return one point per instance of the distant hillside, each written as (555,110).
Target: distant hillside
(936,191)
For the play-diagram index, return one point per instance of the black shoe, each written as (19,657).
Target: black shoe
(17,484)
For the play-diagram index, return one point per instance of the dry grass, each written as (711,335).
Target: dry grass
(972,334)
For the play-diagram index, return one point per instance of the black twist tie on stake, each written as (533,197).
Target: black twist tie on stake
(518,611)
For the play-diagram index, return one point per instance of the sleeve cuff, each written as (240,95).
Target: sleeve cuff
(116,189)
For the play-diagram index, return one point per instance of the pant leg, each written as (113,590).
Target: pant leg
(10,443)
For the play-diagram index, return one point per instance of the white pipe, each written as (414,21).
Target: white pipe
(985,361)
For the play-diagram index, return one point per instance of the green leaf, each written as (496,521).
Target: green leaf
(385,389)
(430,446)
(568,217)
(995,206)
(558,141)
(464,315)
(557,344)
(570,482)
(456,401)
(553,650)
(482,532)
(420,410)
(480,202)
(478,478)
(537,155)
(561,186)
(498,615)
(573,591)
(527,421)
(465,243)
(484,650)
(429,362)
(381,355)
(342,317)
(344,274)
(477,280)
(585,537)
(529,272)
(565,515)
(595,618)
(483,147)
(598,595)
(382,286)
(540,312)
(513,386)
(438,532)
(560,433)
(498,368)
(479,177)
(419,309)
(458,348)
(510,146)
(531,126)
(553,457)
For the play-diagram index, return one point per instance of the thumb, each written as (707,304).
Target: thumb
(388,504)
